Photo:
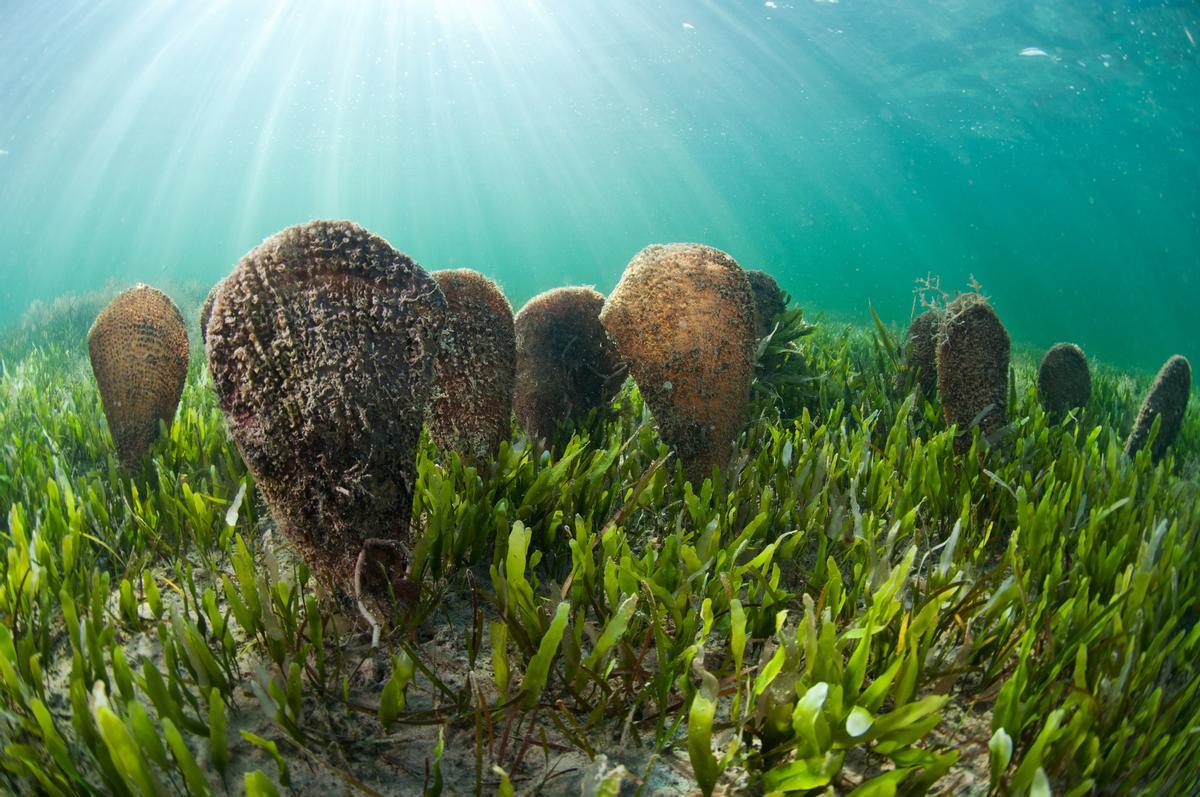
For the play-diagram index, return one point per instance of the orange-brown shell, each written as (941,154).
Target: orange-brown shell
(972,368)
(471,407)
(139,351)
(566,364)
(1167,397)
(321,347)
(682,317)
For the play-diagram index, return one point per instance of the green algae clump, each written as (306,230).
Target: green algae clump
(566,364)
(682,317)
(1167,398)
(471,407)
(321,347)
(768,301)
(972,368)
(139,351)
(1064,381)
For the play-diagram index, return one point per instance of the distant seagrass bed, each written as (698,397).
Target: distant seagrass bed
(857,599)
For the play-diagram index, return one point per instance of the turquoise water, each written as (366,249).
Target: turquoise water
(848,147)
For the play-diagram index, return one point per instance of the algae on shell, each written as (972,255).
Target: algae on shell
(321,347)
(1064,381)
(972,368)
(471,407)
(768,301)
(206,310)
(1167,398)
(139,351)
(682,317)
(921,351)
(566,364)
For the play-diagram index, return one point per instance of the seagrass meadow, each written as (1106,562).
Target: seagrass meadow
(850,607)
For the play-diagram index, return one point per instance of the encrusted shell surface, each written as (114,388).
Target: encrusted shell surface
(321,347)
(139,352)
(1167,397)
(206,311)
(471,407)
(768,301)
(922,349)
(566,364)
(682,317)
(1064,381)
(972,368)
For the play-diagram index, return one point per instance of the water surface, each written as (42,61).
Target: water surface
(1047,148)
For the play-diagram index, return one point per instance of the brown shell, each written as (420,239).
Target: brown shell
(566,364)
(206,311)
(768,301)
(972,368)
(1168,397)
(682,316)
(1064,381)
(471,407)
(923,335)
(139,351)
(321,347)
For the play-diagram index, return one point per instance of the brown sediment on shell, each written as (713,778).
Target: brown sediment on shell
(471,407)
(768,301)
(321,347)
(923,335)
(682,317)
(206,311)
(139,351)
(566,364)
(1168,398)
(972,368)
(1064,381)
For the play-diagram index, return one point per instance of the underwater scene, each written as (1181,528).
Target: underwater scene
(679,397)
